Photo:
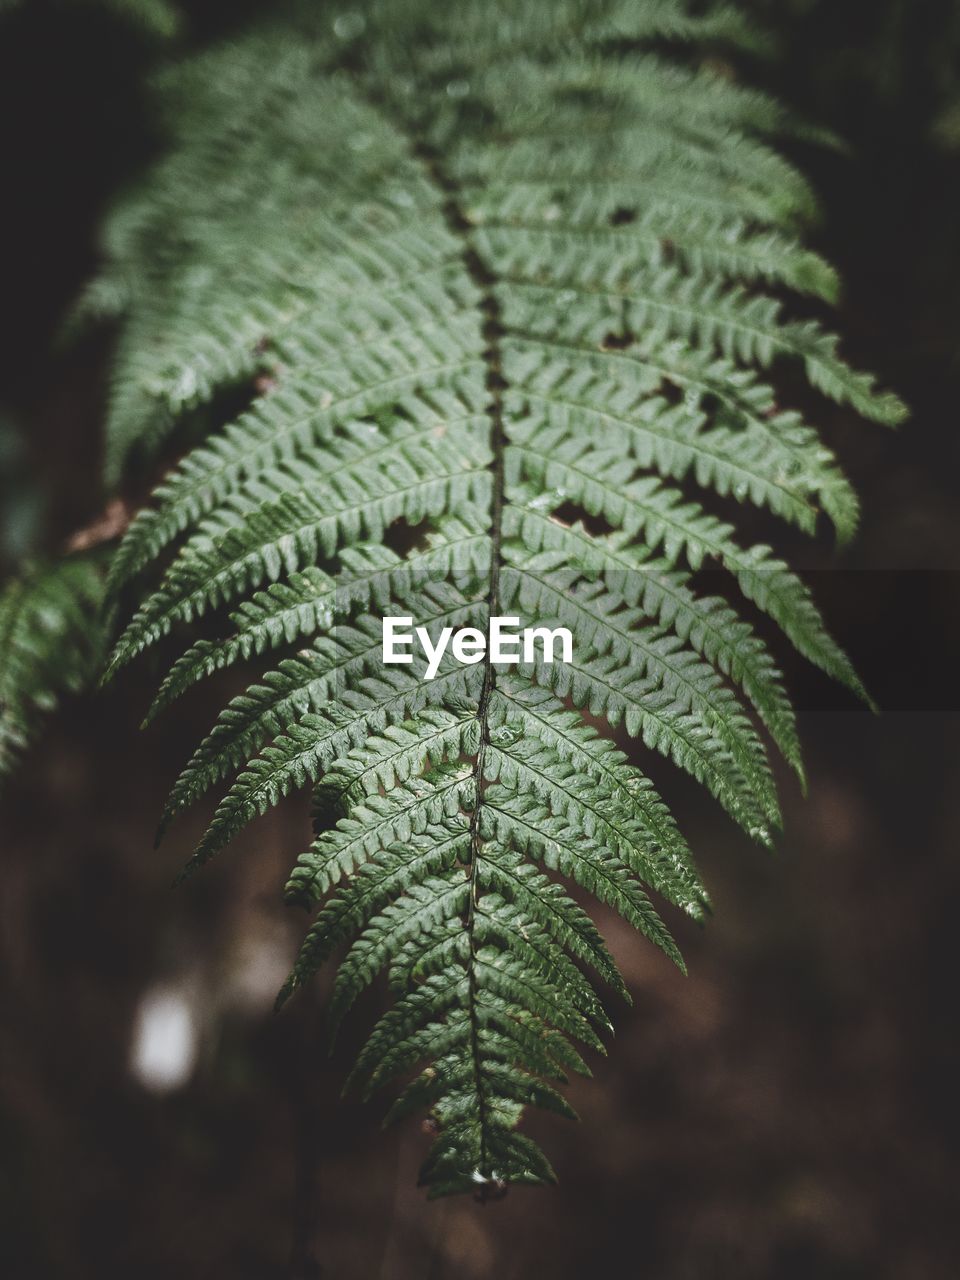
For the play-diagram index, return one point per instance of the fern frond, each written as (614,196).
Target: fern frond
(52,642)
(515,283)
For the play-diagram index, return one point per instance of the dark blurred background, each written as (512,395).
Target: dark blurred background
(786,1112)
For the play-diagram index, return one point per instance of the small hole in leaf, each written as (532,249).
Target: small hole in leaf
(403,538)
(671,392)
(570,513)
(616,341)
(715,408)
(622,216)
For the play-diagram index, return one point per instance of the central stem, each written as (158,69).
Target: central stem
(492,329)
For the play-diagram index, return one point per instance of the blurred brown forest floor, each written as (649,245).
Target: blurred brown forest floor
(789,1110)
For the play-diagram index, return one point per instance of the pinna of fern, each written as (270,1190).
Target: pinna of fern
(52,642)
(515,278)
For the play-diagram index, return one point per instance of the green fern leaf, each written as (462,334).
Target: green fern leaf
(52,642)
(514,285)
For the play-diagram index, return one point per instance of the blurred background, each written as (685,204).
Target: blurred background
(788,1110)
